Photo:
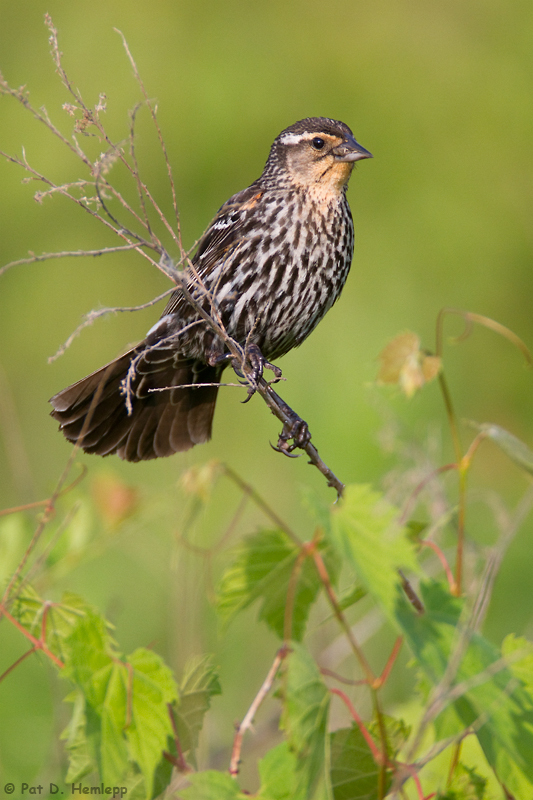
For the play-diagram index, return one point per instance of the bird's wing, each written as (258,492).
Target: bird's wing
(225,231)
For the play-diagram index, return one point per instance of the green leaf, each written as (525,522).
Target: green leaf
(58,619)
(198,685)
(263,570)
(466,784)
(316,506)
(127,717)
(152,688)
(354,773)
(212,785)
(497,704)
(90,655)
(365,533)
(397,733)
(514,448)
(278,775)
(305,712)
(113,749)
(514,646)
(80,748)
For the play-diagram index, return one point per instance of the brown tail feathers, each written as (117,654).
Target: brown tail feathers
(94,412)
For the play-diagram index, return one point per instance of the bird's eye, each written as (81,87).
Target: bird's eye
(318,143)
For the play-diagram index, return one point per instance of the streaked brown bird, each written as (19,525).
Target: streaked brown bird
(274,260)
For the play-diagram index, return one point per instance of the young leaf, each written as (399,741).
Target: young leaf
(197,687)
(365,533)
(523,667)
(404,363)
(466,784)
(492,700)
(89,649)
(278,775)
(263,570)
(149,691)
(127,702)
(354,773)
(212,785)
(113,749)
(305,711)
(80,748)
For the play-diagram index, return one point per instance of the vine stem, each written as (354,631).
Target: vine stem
(246,724)
(377,755)
(38,644)
(324,577)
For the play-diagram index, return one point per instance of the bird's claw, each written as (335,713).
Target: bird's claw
(297,430)
(258,363)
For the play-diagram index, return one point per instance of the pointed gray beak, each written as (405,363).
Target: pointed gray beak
(350,150)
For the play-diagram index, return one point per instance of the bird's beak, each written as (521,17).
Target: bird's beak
(350,150)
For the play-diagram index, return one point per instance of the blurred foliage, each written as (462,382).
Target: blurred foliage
(441,93)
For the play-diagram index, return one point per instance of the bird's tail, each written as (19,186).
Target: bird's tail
(104,415)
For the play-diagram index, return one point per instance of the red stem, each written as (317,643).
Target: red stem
(378,756)
(442,558)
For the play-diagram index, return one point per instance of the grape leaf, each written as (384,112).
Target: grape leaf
(263,570)
(365,533)
(354,773)
(278,775)
(212,785)
(151,689)
(466,784)
(197,687)
(494,701)
(305,712)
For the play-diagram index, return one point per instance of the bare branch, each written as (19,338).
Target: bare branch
(246,724)
(33,259)
(139,80)
(92,316)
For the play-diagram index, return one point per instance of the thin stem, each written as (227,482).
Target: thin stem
(324,577)
(443,560)
(378,756)
(452,419)
(16,663)
(33,259)
(454,761)
(252,711)
(291,593)
(460,533)
(38,644)
(390,663)
(248,489)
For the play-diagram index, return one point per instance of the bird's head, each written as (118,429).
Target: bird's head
(316,152)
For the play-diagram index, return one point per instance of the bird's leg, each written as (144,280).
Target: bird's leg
(294,427)
(258,363)
(297,430)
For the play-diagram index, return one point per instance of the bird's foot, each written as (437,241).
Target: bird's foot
(258,363)
(297,430)
(251,370)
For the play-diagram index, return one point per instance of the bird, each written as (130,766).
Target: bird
(271,263)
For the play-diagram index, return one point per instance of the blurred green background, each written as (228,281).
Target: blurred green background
(442,95)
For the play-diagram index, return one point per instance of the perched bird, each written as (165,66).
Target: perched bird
(274,260)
